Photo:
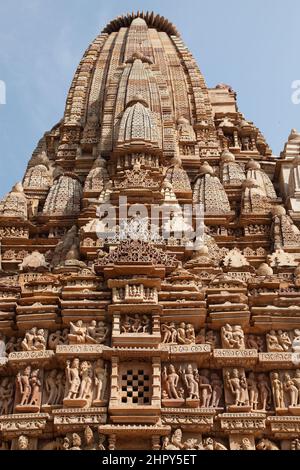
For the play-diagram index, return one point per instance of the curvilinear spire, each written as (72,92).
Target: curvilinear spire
(114,336)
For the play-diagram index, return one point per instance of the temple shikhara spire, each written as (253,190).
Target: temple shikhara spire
(135,332)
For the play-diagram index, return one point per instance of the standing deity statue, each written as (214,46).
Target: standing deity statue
(264,391)
(101,379)
(170,379)
(237,385)
(277,391)
(73,381)
(188,378)
(291,390)
(253,391)
(205,388)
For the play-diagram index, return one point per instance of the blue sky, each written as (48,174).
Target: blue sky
(251,45)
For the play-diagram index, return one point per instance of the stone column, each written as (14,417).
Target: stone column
(156,380)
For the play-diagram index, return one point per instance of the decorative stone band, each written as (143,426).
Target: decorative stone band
(30,357)
(240,422)
(282,426)
(13,425)
(235,357)
(202,418)
(73,419)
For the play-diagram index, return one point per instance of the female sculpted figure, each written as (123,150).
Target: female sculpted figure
(86,380)
(292,390)
(205,388)
(237,386)
(264,391)
(191,383)
(101,377)
(278,391)
(51,387)
(171,379)
(253,391)
(35,387)
(77,333)
(217,390)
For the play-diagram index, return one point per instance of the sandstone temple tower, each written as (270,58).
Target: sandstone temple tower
(123,339)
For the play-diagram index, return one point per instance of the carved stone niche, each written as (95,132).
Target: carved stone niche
(54,389)
(29,385)
(180,440)
(184,385)
(135,389)
(242,442)
(140,290)
(88,333)
(86,384)
(236,390)
(286,391)
(133,327)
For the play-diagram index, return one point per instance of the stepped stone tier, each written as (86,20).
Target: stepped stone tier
(129,340)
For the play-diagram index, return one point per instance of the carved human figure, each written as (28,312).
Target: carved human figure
(291,390)
(176,441)
(264,391)
(101,379)
(89,440)
(51,387)
(211,444)
(27,343)
(2,345)
(58,338)
(126,325)
(86,375)
(233,337)
(190,334)
(13,345)
(266,444)
(253,391)
(76,442)
(295,444)
(77,333)
(217,390)
(237,385)
(205,388)
(181,333)
(97,333)
(137,326)
(6,395)
(296,381)
(245,444)
(190,382)
(200,338)
(73,381)
(284,340)
(277,391)
(35,384)
(170,379)
(23,443)
(273,342)
(101,445)
(169,333)
(60,386)
(24,386)
(255,342)
(211,338)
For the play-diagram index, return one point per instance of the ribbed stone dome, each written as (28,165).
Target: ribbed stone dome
(138,126)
